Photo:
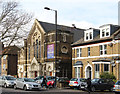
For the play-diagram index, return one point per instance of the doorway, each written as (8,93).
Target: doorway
(88,72)
(35,73)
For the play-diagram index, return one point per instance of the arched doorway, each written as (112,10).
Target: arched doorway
(88,71)
(49,70)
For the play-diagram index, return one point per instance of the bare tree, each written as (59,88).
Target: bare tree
(13,22)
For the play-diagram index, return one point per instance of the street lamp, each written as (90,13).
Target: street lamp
(55,39)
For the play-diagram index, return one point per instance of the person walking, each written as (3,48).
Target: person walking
(44,82)
(89,85)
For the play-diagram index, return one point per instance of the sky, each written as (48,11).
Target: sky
(83,13)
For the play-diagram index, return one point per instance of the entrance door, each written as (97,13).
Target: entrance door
(88,72)
(50,73)
(35,73)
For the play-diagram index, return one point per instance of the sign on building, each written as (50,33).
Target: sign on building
(50,51)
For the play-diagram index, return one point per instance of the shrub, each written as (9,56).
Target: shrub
(107,75)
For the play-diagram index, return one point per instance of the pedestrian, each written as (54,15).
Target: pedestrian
(44,82)
(89,85)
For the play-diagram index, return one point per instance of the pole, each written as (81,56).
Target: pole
(55,45)
(55,69)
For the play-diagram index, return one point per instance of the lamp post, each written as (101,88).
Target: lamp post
(55,40)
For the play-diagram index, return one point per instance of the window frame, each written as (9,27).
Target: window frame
(105,32)
(77,72)
(88,35)
(79,52)
(97,70)
(37,48)
(103,49)
(29,53)
(88,51)
(108,65)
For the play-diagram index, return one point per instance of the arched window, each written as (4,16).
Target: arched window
(34,48)
(37,46)
(40,49)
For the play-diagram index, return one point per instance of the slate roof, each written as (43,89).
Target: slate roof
(78,33)
(96,39)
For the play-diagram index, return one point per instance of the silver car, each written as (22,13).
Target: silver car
(7,81)
(116,88)
(26,84)
(77,83)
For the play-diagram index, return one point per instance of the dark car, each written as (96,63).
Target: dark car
(63,80)
(102,84)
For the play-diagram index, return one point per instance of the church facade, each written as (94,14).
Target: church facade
(41,56)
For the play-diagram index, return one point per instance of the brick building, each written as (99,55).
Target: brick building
(98,51)
(9,60)
(37,57)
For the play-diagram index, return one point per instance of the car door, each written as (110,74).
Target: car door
(19,82)
(102,84)
(0,80)
(22,83)
(3,80)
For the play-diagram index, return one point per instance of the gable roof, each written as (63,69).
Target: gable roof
(48,27)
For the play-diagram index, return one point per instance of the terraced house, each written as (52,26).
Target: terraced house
(98,51)
(39,57)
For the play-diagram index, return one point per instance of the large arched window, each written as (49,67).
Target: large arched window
(37,47)
(34,48)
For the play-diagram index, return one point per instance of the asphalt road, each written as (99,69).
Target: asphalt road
(50,91)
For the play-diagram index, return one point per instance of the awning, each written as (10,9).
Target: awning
(78,63)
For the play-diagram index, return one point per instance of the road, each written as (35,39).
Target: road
(50,91)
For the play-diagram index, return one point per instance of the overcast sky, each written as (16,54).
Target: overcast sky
(82,13)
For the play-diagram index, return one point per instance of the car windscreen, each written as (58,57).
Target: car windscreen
(117,83)
(29,80)
(38,78)
(74,79)
(95,80)
(83,80)
(10,78)
(51,78)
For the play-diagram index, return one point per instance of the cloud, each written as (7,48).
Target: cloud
(83,13)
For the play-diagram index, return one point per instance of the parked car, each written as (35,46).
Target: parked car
(76,82)
(7,81)
(50,80)
(26,84)
(39,79)
(62,82)
(102,84)
(116,88)
(63,79)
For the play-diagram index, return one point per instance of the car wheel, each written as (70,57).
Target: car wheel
(25,88)
(15,86)
(111,89)
(5,85)
(93,89)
